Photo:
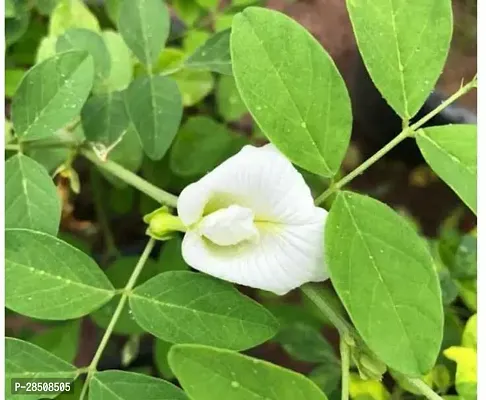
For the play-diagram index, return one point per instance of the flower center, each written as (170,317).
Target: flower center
(229,226)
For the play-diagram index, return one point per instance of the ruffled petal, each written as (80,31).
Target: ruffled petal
(285,256)
(258,178)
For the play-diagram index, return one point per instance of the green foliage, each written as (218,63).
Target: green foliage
(49,279)
(208,373)
(185,307)
(71,14)
(31,199)
(404,45)
(229,102)
(451,152)
(376,261)
(302,104)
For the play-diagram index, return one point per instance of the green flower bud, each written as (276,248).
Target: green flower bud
(162,224)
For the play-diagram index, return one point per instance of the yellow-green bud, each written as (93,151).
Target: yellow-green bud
(162,224)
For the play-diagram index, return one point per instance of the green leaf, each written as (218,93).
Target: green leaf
(31,199)
(121,385)
(328,378)
(304,342)
(193,85)
(112,8)
(52,94)
(160,358)
(17,26)
(71,14)
(46,7)
(61,341)
(201,145)
(92,42)
(104,118)
(207,373)
(187,10)
(404,45)
(154,105)
(385,276)
(170,258)
(466,259)
(228,100)
(10,11)
(46,49)
(12,80)
(213,55)
(193,308)
(121,62)
(451,152)
(194,39)
(208,4)
(25,360)
(46,278)
(292,88)
(119,273)
(144,25)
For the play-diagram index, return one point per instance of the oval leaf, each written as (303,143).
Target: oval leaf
(187,307)
(47,278)
(121,61)
(71,14)
(25,360)
(52,94)
(451,151)
(404,45)
(121,385)
(31,199)
(144,25)
(292,88)
(92,42)
(385,276)
(207,373)
(213,55)
(154,105)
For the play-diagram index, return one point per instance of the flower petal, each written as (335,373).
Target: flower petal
(258,178)
(229,226)
(284,257)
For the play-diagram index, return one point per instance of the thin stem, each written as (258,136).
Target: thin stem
(345,365)
(132,179)
(116,315)
(423,388)
(406,132)
(13,147)
(318,297)
(364,166)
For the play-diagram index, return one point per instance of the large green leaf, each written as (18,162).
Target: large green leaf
(187,307)
(31,199)
(228,100)
(385,276)
(119,273)
(121,62)
(71,14)
(61,341)
(201,145)
(170,258)
(104,118)
(451,151)
(292,88)
(52,94)
(25,360)
(404,45)
(207,373)
(92,42)
(144,25)
(213,55)
(47,278)
(154,105)
(121,385)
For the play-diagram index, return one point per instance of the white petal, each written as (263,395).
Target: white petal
(284,257)
(229,226)
(259,178)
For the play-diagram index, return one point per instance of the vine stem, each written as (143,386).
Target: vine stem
(116,315)
(408,131)
(132,179)
(345,365)
(425,389)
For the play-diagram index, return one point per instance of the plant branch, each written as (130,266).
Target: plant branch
(116,315)
(345,365)
(423,388)
(132,179)
(405,133)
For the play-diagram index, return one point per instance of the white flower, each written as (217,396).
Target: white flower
(252,221)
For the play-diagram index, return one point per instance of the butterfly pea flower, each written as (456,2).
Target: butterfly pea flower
(252,221)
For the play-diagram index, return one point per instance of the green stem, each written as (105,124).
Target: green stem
(423,388)
(132,179)
(116,315)
(405,133)
(345,365)
(319,298)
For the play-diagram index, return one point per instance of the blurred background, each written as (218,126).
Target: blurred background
(104,219)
